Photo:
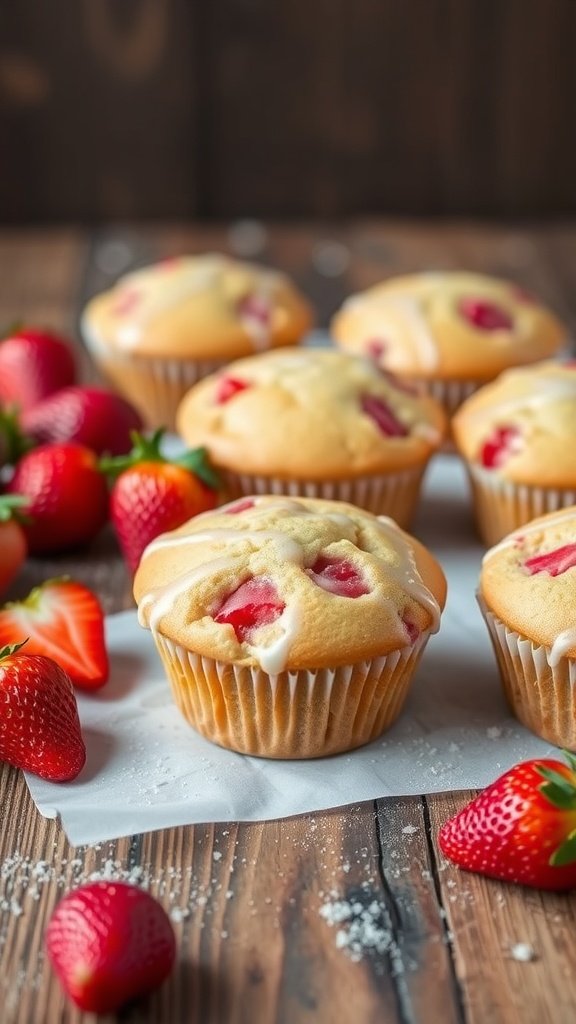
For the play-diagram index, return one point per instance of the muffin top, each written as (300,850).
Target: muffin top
(202,307)
(282,583)
(448,325)
(523,425)
(529,581)
(309,414)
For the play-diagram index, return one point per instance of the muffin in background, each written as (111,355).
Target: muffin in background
(518,439)
(315,422)
(528,598)
(289,628)
(448,332)
(162,328)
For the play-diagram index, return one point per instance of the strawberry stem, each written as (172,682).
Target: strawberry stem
(10,649)
(147,449)
(566,852)
(11,506)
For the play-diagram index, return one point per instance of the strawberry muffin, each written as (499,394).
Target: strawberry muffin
(528,597)
(449,332)
(517,437)
(162,328)
(315,422)
(289,628)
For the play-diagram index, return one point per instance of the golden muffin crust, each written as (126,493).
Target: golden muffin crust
(529,581)
(309,414)
(198,307)
(186,577)
(522,427)
(448,325)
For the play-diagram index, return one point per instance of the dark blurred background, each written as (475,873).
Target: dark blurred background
(125,109)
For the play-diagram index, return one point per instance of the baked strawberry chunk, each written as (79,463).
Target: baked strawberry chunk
(503,443)
(411,628)
(375,348)
(239,506)
(127,302)
(553,562)
(255,307)
(254,603)
(227,387)
(486,316)
(338,576)
(383,416)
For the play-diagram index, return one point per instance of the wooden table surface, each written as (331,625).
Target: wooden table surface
(444,947)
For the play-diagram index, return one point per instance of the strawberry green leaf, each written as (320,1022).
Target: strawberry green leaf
(558,790)
(9,649)
(571,760)
(566,852)
(196,461)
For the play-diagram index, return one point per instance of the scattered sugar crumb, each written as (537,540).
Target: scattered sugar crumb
(494,732)
(216,855)
(523,952)
(364,930)
(409,830)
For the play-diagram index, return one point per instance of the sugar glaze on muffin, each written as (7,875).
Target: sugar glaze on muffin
(287,584)
(200,307)
(448,324)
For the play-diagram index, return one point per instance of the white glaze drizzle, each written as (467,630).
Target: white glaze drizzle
(408,310)
(273,657)
(563,643)
(406,574)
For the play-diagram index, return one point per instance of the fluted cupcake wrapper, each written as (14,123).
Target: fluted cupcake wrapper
(501,506)
(392,494)
(294,714)
(541,695)
(449,393)
(154,386)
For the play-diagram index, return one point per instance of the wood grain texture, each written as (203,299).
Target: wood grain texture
(346,915)
(160,108)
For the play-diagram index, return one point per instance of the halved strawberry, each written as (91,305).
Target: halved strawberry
(383,415)
(484,315)
(62,620)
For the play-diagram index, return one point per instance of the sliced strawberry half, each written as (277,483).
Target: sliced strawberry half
(486,316)
(384,418)
(254,603)
(338,576)
(63,620)
(553,562)
(502,443)
(227,387)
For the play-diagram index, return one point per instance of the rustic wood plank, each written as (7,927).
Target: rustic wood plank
(488,922)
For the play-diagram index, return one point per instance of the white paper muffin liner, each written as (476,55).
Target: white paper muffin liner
(541,695)
(501,506)
(154,385)
(294,714)
(393,494)
(449,393)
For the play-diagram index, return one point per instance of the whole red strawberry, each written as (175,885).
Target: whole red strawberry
(109,942)
(67,496)
(39,725)
(13,546)
(94,417)
(522,828)
(152,494)
(62,619)
(34,363)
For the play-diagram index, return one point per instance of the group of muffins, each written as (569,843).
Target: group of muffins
(290,621)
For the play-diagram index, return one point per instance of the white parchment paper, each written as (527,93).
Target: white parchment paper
(147,769)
